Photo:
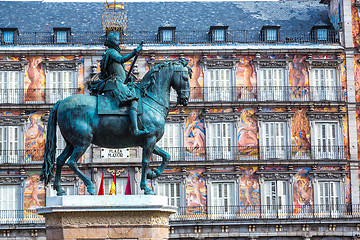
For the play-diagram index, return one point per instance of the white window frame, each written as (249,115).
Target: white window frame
(329,204)
(10,85)
(220,147)
(223,206)
(58,89)
(171,141)
(11,204)
(172,190)
(272,84)
(10,147)
(274,201)
(332,149)
(323,88)
(274,147)
(219,84)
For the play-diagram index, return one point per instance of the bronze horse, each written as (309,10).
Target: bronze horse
(80,125)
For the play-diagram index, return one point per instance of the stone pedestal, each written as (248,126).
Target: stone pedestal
(107,217)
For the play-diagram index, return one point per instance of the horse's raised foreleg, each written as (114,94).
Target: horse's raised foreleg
(72,163)
(60,161)
(147,151)
(165,160)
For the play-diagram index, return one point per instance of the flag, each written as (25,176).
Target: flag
(101,188)
(113,185)
(128,186)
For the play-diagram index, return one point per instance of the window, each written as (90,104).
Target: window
(218,33)
(10,202)
(321,34)
(270,33)
(272,84)
(9,87)
(62,35)
(172,191)
(170,141)
(60,85)
(8,35)
(167,34)
(120,185)
(273,140)
(60,142)
(220,140)
(222,198)
(10,144)
(218,85)
(328,197)
(325,145)
(324,84)
(275,195)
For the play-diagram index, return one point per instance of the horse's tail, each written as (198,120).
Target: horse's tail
(47,171)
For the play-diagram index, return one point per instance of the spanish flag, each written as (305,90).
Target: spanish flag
(113,185)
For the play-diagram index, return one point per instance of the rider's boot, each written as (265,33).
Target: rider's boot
(133,119)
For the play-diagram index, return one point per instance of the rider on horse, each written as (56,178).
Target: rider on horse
(112,79)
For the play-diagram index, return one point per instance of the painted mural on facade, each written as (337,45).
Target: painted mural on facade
(345,133)
(357,77)
(246,78)
(34,192)
(34,138)
(196,192)
(194,135)
(300,135)
(249,189)
(334,14)
(303,191)
(355,23)
(298,78)
(247,136)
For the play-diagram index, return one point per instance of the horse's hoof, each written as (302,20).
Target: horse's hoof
(61,192)
(149,192)
(91,189)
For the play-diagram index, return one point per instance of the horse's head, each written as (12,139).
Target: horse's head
(180,82)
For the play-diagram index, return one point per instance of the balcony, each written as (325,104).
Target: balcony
(180,37)
(265,94)
(261,212)
(20,217)
(255,153)
(24,157)
(35,96)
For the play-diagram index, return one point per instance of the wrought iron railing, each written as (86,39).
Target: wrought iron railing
(251,153)
(20,217)
(310,211)
(36,96)
(180,37)
(265,94)
(24,156)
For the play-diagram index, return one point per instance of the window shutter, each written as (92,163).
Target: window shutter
(171,136)
(9,198)
(282,193)
(334,193)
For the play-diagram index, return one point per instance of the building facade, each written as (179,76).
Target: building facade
(267,147)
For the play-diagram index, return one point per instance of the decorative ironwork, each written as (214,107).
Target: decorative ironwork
(114,17)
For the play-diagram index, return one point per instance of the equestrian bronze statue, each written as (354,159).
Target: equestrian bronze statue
(118,114)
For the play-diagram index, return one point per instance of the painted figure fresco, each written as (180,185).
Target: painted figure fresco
(247,134)
(334,14)
(357,78)
(35,138)
(303,191)
(194,135)
(34,194)
(35,74)
(196,90)
(298,78)
(246,78)
(196,194)
(300,135)
(249,189)
(355,23)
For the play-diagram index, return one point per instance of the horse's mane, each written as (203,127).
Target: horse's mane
(148,81)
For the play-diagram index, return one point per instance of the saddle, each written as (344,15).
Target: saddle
(107,105)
